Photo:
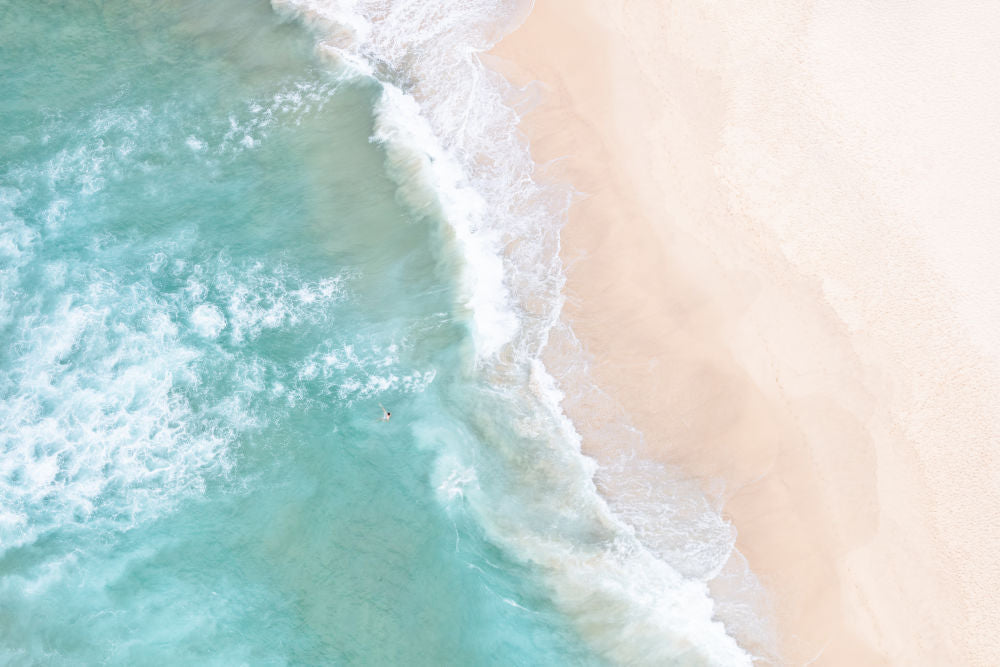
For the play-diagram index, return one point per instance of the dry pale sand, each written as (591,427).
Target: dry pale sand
(783,268)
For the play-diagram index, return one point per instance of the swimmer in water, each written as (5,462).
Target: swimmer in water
(385,413)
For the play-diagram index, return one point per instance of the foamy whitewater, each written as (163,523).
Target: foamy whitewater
(227,235)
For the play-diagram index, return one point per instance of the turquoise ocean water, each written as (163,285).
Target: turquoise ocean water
(228,232)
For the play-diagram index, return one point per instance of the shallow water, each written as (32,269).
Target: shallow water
(208,287)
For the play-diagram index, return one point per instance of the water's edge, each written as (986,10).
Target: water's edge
(454,148)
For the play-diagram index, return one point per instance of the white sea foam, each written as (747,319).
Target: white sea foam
(353,372)
(452,146)
(250,126)
(208,320)
(108,417)
(99,424)
(16,241)
(430,180)
(95,429)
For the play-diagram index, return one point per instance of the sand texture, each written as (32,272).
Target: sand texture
(782,266)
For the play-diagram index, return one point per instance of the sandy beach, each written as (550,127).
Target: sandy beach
(780,265)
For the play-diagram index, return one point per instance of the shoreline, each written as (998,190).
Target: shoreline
(742,276)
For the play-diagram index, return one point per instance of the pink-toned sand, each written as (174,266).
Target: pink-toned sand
(782,266)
